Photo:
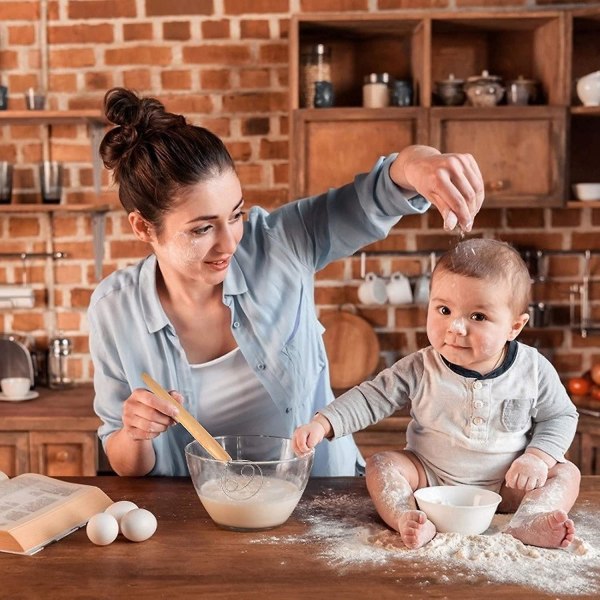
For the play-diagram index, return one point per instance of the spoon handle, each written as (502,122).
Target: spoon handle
(188,421)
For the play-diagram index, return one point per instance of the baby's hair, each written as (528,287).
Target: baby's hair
(155,154)
(491,260)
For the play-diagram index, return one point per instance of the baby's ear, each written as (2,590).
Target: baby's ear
(518,325)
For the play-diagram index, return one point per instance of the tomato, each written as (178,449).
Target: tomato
(595,392)
(578,386)
(595,373)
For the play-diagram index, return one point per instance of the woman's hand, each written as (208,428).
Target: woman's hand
(306,437)
(528,472)
(451,182)
(146,416)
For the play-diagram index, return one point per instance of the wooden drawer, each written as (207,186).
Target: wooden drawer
(14,452)
(63,454)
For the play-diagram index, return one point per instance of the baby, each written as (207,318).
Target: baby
(485,409)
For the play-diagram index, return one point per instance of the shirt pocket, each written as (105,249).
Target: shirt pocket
(516,414)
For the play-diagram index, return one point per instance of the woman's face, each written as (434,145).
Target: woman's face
(202,231)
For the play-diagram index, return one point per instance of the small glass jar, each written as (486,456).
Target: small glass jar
(315,65)
(376,91)
(58,360)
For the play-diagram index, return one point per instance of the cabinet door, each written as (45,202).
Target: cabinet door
(72,453)
(14,453)
(330,146)
(521,151)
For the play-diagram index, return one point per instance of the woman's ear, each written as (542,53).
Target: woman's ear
(142,230)
(518,325)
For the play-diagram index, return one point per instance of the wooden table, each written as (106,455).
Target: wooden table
(189,557)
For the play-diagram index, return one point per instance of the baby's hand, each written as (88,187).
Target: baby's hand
(527,472)
(306,437)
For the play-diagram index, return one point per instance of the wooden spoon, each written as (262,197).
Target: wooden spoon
(200,434)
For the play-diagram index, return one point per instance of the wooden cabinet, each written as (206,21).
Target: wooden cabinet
(54,434)
(524,151)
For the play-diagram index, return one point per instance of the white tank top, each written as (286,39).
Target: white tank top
(231,400)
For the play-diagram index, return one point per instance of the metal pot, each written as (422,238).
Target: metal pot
(484,90)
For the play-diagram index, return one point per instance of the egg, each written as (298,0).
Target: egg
(102,529)
(138,524)
(118,509)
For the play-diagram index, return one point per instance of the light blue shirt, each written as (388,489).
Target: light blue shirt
(269,289)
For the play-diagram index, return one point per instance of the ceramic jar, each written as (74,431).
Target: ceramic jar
(521,91)
(450,92)
(588,89)
(376,91)
(484,90)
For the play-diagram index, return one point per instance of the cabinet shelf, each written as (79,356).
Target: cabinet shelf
(53,208)
(52,117)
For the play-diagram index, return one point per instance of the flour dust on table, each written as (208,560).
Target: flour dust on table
(349,534)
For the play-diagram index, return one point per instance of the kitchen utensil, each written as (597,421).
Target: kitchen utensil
(51,174)
(352,348)
(15,358)
(484,90)
(401,93)
(398,289)
(35,99)
(450,92)
(587,191)
(522,91)
(188,421)
(15,387)
(464,509)
(372,290)
(257,489)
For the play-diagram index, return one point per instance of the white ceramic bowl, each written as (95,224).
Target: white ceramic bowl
(588,89)
(587,191)
(258,489)
(464,509)
(15,387)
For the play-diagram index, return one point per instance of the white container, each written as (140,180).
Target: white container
(588,89)
(376,91)
(587,191)
(372,290)
(464,509)
(15,387)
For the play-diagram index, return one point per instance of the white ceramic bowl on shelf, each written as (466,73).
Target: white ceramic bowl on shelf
(587,191)
(464,509)
(588,89)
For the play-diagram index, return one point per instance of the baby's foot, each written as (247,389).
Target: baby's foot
(415,529)
(546,530)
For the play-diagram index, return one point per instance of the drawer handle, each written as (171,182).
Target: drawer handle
(62,456)
(498,185)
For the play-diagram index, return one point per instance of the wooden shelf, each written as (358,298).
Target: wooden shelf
(582,203)
(49,208)
(586,110)
(51,117)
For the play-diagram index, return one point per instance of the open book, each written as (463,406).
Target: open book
(36,510)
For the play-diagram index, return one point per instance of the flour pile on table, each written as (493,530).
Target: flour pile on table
(337,523)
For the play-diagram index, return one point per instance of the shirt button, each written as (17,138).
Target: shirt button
(236,324)
(477,385)
(288,410)
(478,404)
(477,421)
(261,366)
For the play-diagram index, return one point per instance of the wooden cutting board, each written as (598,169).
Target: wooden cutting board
(352,348)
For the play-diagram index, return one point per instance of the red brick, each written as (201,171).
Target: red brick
(249,174)
(256,126)
(333,5)
(65,82)
(21,35)
(336,295)
(230,54)
(81,34)
(139,55)
(176,80)
(189,104)
(392,342)
(273,53)
(215,29)
(137,79)
(239,150)
(377,317)
(267,198)
(156,8)
(239,7)
(68,321)
(67,273)
(215,79)
(65,226)
(415,4)
(18,83)
(20,11)
(538,239)
(102,9)
(255,102)
(392,242)
(565,217)
(520,218)
(128,249)
(497,3)
(97,80)
(9,59)
(137,31)
(334,270)
(28,321)
(584,240)
(563,266)
(281,173)
(274,149)
(176,30)
(23,227)
(410,317)
(72,58)
(254,29)
(254,78)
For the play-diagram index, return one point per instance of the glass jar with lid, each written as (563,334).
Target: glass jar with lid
(315,65)
(376,91)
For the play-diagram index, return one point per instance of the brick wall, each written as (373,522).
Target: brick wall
(226,69)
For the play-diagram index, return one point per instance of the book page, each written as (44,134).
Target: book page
(25,495)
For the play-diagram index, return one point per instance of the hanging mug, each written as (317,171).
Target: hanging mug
(372,290)
(422,290)
(399,290)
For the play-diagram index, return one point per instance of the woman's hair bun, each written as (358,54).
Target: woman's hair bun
(135,117)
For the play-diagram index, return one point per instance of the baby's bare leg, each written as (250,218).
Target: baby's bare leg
(542,519)
(391,479)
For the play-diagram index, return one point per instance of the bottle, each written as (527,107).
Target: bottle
(315,66)
(58,360)
(376,91)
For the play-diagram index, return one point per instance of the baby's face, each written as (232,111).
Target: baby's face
(470,320)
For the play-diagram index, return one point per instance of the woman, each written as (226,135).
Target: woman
(222,311)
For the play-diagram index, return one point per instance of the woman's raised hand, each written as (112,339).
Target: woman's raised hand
(146,416)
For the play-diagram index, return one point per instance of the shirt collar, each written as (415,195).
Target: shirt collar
(509,359)
(152,310)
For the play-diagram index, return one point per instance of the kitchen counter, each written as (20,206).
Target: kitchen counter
(319,553)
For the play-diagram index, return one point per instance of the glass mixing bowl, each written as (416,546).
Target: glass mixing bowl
(258,489)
